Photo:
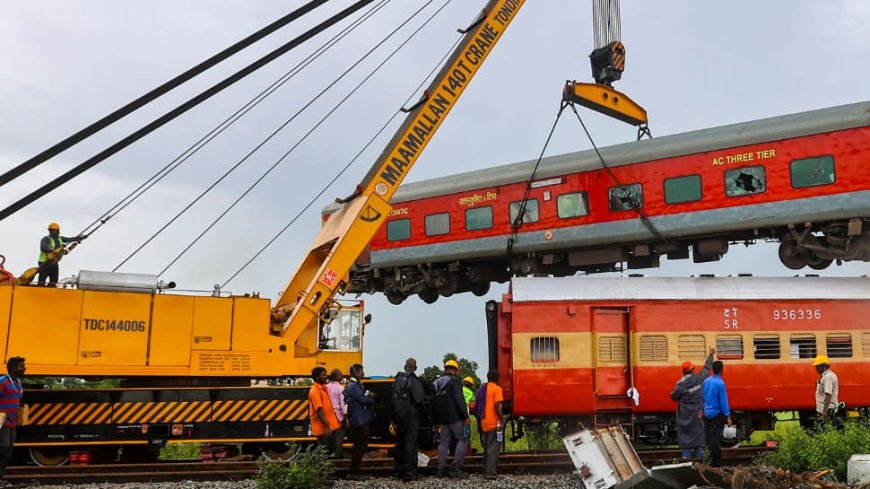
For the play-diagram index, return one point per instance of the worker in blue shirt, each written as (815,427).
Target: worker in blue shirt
(716,412)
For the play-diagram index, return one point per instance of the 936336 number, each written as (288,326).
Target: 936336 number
(797,314)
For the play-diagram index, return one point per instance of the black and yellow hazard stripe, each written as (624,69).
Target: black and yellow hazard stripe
(617,56)
(168,412)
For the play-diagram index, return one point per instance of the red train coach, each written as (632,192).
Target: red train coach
(799,179)
(600,349)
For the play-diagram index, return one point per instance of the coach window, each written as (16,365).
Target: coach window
(653,348)
(802,346)
(626,197)
(572,205)
(813,172)
(839,345)
(530,213)
(399,229)
(683,189)
(692,347)
(745,181)
(729,347)
(611,349)
(437,224)
(544,350)
(766,347)
(865,344)
(478,218)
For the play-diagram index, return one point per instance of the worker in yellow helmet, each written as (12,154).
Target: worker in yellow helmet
(48,267)
(468,392)
(827,389)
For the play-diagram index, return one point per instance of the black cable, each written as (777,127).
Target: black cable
(347,166)
(155,93)
(518,221)
(229,121)
(322,120)
(641,214)
(81,168)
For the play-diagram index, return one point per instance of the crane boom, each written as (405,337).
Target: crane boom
(347,232)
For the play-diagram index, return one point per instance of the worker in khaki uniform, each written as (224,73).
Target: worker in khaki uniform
(827,389)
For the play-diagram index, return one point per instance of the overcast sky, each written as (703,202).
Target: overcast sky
(692,64)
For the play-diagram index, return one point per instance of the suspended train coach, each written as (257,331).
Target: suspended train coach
(597,350)
(800,180)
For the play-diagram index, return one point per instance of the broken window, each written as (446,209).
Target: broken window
(812,172)
(626,197)
(530,212)
(745,181)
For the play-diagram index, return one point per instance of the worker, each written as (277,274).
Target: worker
(492,424)
(827,390)
(360,413)
(10,404)
(717,414)
(320,411)
(336,389)
(451,414)
(407,407)
(689,394)
(49,269)
(468,393)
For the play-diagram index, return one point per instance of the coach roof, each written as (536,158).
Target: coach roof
(532,289)
(723,137)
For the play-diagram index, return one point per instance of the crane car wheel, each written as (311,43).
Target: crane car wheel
(791,256)
(280,451)
(49,456)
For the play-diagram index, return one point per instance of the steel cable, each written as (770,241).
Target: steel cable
(348,165)
(229,121)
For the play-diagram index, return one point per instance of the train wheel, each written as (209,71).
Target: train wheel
(395,298)
(817,263)
(791,256)
(480,289)
(49,456)
(429,296)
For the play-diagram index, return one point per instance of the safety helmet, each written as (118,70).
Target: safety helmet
(821,360)
(468,380)
(688,366)
(54,226)
(451,363)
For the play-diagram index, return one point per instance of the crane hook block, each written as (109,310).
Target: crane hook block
(606,100)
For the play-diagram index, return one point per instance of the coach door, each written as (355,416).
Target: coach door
(610,347)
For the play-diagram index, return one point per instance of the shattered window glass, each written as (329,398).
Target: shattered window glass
(812,172)
(745,181)
(626,197)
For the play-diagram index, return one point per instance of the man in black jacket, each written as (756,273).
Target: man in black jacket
(451,413)
(360,404)
(407,403)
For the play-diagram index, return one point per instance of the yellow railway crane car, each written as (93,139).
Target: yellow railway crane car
(188,360)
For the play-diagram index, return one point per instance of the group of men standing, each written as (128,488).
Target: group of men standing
(454,402)
(335,409)
(703,410)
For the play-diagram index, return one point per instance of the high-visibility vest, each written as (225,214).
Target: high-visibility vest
(43,256)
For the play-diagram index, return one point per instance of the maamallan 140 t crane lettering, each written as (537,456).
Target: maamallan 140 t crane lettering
(188,361)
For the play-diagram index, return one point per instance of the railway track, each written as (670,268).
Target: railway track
(519,463)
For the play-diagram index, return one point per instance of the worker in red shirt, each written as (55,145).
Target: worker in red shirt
(320,410)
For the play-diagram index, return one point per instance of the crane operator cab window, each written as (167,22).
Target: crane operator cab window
(343,333)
